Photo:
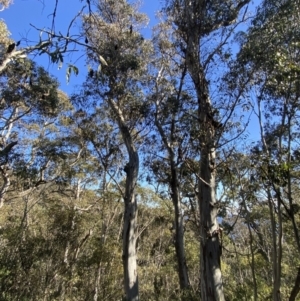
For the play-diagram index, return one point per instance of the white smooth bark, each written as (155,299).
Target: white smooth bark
(131,284)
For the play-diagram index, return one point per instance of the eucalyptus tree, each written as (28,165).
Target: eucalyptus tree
(118,79)
(247,227)
(105,150)
(27,91)
(270,58)
(117,57)
(38,157)
(194,22)
(172,104)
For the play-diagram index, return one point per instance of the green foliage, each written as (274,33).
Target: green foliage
(30,87)
(59,250)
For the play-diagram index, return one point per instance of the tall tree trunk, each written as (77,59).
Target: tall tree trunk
(252,251)
(175,196)
(195,20)
(276,225)
(129,249)
(179,232)
(130,219)
(130,209)
(210,249)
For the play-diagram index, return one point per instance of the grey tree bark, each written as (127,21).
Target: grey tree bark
(195,20)
(131,284)
(179,231)
(175,194)
(178,216)
(210,248)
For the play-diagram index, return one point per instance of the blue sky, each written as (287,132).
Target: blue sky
(22,13)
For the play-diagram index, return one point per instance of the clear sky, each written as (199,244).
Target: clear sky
(22,13)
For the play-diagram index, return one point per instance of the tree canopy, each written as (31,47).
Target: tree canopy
(147,181)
